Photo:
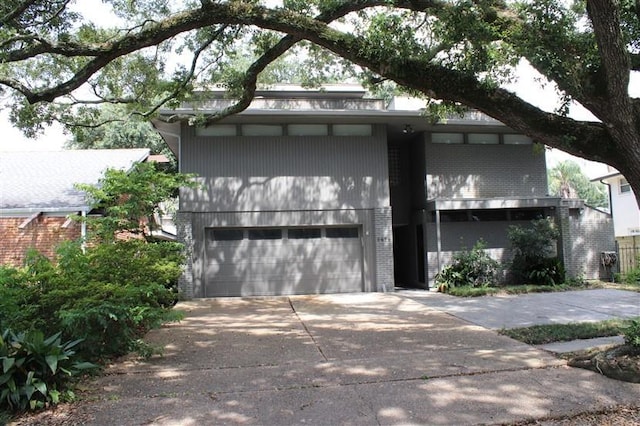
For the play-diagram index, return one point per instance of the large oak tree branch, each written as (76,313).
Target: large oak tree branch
(615,63)
(157,32)
(249,82)
(440,82)
(414,73)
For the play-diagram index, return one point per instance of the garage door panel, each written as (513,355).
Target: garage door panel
(283,266)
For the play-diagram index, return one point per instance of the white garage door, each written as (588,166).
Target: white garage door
(281,261)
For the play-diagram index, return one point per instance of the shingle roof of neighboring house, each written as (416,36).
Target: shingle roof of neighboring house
(44,181)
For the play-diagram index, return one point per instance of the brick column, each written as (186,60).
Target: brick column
(384,249)
(184,230)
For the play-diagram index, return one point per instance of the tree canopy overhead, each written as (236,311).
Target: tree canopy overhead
(57,65)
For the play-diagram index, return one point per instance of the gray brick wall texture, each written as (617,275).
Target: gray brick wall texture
(384,249)
(184,227)
(587,232)
(485,171)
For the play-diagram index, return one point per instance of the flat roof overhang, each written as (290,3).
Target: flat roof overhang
(169,123)
(492,203)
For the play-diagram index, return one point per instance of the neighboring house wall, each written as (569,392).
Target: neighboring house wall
(44,184)
(624,207)
(43,234)
(626,220)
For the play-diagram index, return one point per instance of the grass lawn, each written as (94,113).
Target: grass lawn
(548,333)
(528,288)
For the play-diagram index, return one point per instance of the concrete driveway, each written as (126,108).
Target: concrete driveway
(525,310)
(340,359)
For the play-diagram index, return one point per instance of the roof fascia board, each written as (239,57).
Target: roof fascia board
(375,116)
(19,212)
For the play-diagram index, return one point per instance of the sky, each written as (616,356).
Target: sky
(528,87)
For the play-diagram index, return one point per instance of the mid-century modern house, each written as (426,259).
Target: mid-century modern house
(38,198)
(319,191)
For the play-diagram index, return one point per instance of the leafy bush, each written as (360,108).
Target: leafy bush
(631,277)
(533,248)
(34,369)
(536,240)
(632,334)
(538,270)
(474,268)
(108,296)
(129,199)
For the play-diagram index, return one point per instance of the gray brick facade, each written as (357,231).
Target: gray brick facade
(384,249)
(586,233)
(484,171)
(184,225)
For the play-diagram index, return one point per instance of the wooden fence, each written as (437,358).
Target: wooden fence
(627,258)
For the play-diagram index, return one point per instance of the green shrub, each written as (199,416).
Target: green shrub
(473,268)
(35,369)
(109,296)
(533,247)
(538,270)
(632,334)
(19,300)
(631,277)
(138,263)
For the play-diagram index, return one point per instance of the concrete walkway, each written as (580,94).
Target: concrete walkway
(510,311)
(342,359)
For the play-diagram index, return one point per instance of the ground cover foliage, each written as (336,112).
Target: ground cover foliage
(102,301)
(549,333)
(95,300)
(534,264)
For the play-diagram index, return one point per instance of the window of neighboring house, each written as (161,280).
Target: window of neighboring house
(624,186)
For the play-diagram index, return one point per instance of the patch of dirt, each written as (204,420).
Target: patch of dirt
(615,416)
(61,415)
(619,362)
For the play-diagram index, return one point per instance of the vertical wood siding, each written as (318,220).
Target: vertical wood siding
(285,173)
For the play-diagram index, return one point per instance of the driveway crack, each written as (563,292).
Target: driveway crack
(306,329)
